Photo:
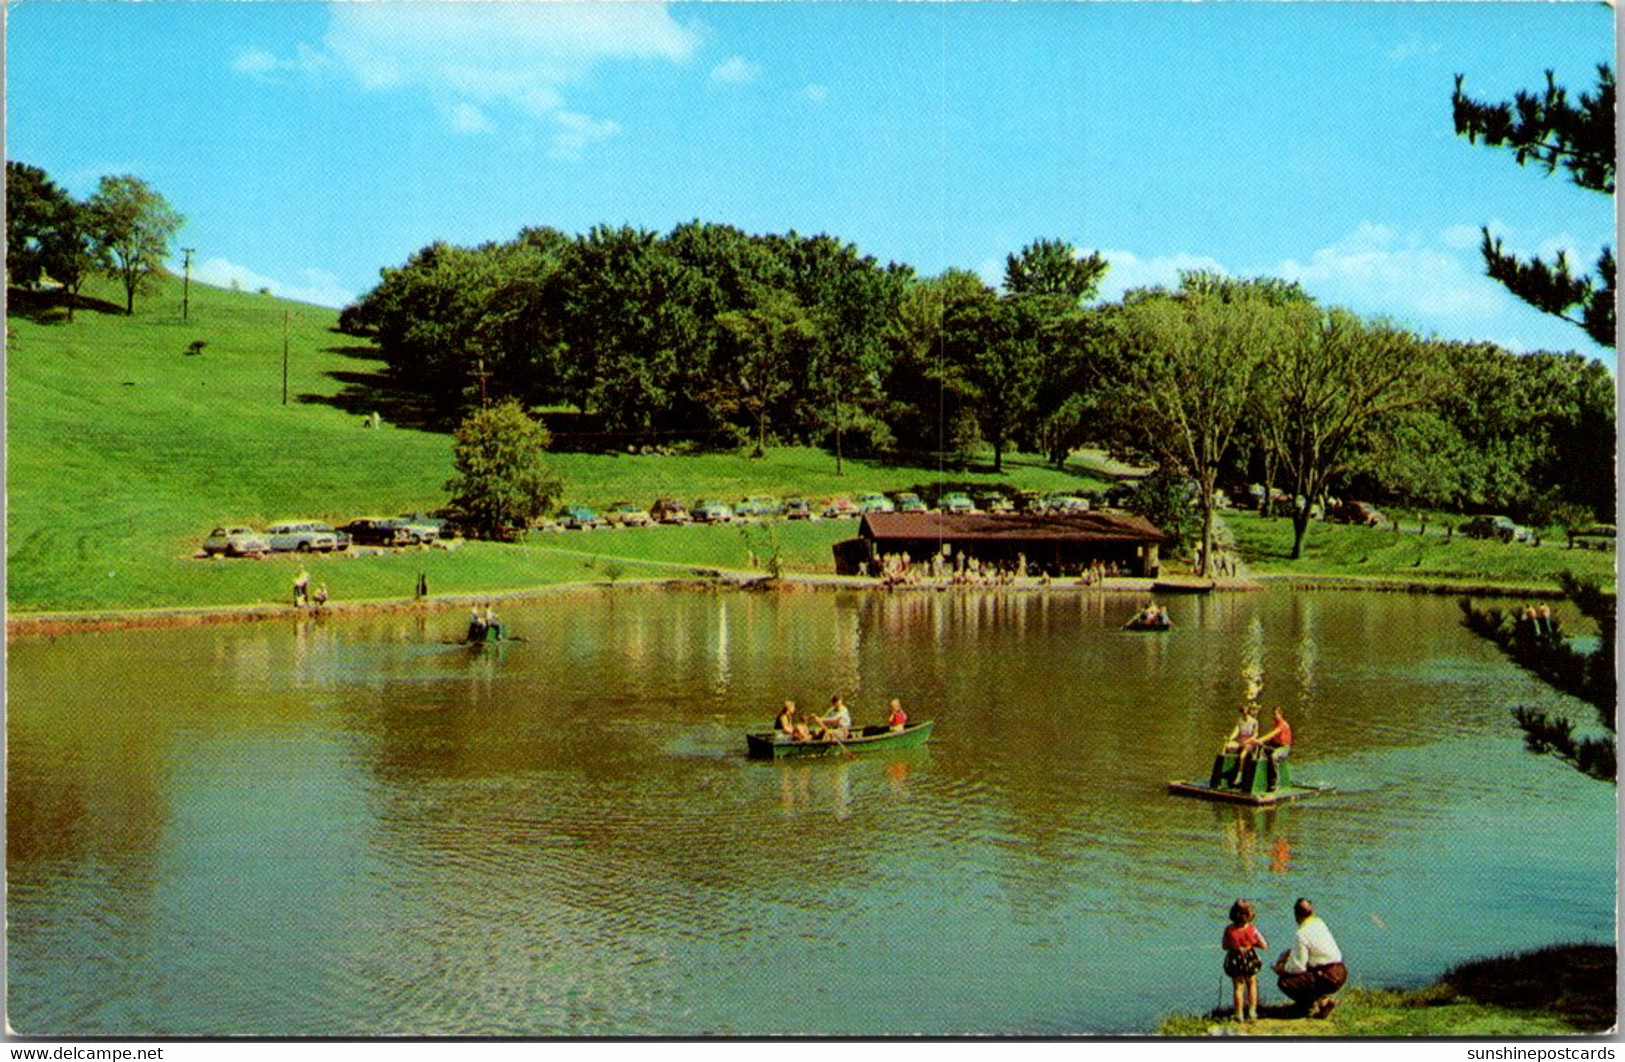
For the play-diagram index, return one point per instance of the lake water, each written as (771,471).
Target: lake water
(352,828)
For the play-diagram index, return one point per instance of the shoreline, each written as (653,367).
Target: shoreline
(55,624)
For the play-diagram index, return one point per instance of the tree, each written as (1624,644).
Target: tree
(503,482)
(133,225)
(765,345)
(1188,367)
(1050,281)
(1549,131)
(33,206)
(1586,673)
(1333,377)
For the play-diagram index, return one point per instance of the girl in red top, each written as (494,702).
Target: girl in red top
(1241,962)
(897,719)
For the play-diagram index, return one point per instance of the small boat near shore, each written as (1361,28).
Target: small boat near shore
(1143,623)
(772,745)
(1183,585)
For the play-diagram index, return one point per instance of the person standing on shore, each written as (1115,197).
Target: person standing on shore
(1241,941)
(1312,972)
(301,589)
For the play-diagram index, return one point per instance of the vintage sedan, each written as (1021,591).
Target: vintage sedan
(236,542)
(627,514)
(875,503)
(797,509)
(711,511)
(909,502)
(839,509)
(669,511)
(381,531)
(579,517)
(1496,527)
(303,536)
(956,501)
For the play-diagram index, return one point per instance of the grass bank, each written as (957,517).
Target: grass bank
(1564,990)
(127,442)
(1388,559)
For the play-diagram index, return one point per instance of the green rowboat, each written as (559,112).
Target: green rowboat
(773,745)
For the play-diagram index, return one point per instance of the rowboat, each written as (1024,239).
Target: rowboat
(773,745)
(1254,787)
(1140,623)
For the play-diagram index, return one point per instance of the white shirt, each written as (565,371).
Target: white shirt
(1312,946)
(840,718)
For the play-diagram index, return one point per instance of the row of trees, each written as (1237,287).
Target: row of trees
(711,334)
(123,230)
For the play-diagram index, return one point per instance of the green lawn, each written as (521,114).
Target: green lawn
(124,449)
(1556,991)
(1431,559)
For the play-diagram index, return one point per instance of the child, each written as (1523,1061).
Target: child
(1241,962)
(897,719)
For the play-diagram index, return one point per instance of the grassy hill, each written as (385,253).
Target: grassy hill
(125,447)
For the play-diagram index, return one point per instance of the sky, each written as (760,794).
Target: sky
(310,145)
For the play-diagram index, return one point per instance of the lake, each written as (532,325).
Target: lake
(351,828)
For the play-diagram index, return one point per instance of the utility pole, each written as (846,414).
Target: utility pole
(186,286)
(284,357)
(482,375)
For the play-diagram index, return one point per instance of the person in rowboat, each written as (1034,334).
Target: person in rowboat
(786,723)
(835,724)
(896,719)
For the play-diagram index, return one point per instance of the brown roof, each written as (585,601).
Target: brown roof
(1067,527)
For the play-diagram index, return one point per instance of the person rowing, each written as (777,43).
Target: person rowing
(835,724)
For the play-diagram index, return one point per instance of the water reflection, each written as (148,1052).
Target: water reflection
(562,835)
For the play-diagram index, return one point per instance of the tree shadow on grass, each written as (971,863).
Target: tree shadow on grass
(364,393)
(50,305)
(1576,981)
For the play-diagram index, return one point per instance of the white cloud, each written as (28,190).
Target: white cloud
(316,286)
(815,93)
(470,59)
(1127,270)
(576,131)
(1380,271)
(464,117)
(736,70)
(1412,47)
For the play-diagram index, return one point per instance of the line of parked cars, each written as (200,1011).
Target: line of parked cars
(313,536)
(716,511)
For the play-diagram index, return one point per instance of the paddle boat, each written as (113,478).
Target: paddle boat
(773,745)
(1150,619)
(1252,788)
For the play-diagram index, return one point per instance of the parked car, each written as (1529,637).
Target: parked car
(956,502)
(1358,512)
(669,511)
(875,503)
(626,514)
(760,505)
(909,502)
(303,536)
(381,531)
(236,542)
(797,509)
(577,516)
(711,511)
(991,501)
(1497,527)
(1032,502)
(839,509)
(1066,503)
(436,526)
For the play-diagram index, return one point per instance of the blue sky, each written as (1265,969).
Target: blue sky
(309,145)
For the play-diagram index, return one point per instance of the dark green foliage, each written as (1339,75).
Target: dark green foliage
(1549,654)
(503,482)
(1549,131)
(1164,499)
(33,206)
